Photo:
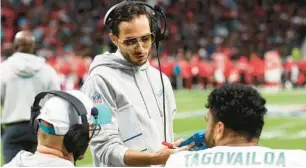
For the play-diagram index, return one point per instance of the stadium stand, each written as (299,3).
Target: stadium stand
(211,41)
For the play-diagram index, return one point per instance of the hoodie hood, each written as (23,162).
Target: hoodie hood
(26,65)
(116,61)
(28,159)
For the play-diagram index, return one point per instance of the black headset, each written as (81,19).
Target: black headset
(159,36)
(77,138)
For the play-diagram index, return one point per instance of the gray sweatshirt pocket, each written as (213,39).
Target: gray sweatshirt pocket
(129,128)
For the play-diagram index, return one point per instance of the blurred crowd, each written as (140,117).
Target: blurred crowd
(209,42)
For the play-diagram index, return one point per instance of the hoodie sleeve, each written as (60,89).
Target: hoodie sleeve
(107,147)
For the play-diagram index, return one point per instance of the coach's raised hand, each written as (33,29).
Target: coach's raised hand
(134,158)
(161,157)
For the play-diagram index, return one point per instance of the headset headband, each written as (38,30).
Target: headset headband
(75,102)
(155,9)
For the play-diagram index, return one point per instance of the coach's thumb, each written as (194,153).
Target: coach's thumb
(179,141)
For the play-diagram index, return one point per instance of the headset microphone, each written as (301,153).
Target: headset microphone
(94,112)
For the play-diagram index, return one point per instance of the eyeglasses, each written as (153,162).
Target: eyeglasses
(147,40)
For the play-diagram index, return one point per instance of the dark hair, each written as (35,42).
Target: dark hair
(240,107)
(126,13)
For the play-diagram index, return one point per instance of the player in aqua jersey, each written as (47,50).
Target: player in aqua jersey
(234,123)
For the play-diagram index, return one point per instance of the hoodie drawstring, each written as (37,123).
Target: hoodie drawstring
(134,77)
(160,111)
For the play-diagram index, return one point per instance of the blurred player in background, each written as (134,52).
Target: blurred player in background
(23,75)
(235,120)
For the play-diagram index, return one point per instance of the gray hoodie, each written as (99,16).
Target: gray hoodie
(28,159)
(22,76)
(134,94)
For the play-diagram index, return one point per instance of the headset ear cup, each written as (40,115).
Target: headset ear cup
(156,29)
(35,110)
(76,140)
(109,24)
(159,36)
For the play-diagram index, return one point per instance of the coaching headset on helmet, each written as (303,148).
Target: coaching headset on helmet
(77,138)
(159,35)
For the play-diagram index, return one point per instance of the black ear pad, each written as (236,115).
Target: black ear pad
(76,140)
(35,111)
(156,29)
(109,22)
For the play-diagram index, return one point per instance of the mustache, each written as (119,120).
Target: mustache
(140,53)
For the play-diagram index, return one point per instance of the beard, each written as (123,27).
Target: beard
(209,139)
(128,58)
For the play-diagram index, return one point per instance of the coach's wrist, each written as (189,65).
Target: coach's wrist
(161,157)
(153,158)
